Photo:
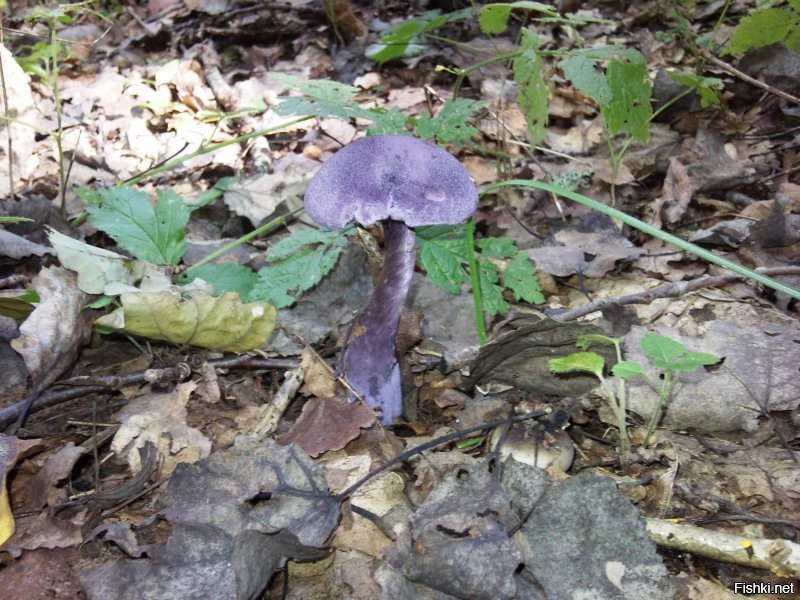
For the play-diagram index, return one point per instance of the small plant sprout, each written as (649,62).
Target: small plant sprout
(402,182)
(591,362)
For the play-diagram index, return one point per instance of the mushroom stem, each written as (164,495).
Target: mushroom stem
(369,360)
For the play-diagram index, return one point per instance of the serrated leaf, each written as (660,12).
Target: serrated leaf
(493,18)
(584,342)
(494,247)
(629,110)
(586,77)
(442,252)
(762,28)
(586,362)
(627,368)
(491,292)
(321,97)
(520,277)
(301,238)
(282,282)
(387,122)
(225,277)
(153,233)
(533,91)
(223,323)
(707,88)
(451,124)
(662,349)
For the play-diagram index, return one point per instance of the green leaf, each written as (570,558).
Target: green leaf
(533,92)
(15,219)
(629,110)
(153,233)
(691,361)
(406,39)
(387,122)
(627,368)
(451,125)
(587,362)
(707,88)
(321,97)
(442,252)
(494,247)
(225,277)
(762,28)
(299,262)
(662,349)
(587,78)
(491,292)
(520,277)
(493,18)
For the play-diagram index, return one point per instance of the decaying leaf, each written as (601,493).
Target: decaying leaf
(11,448)
(160,419)
(54,331)
(225,543)
(104,272)
(328,424)
(222,323)
(16,246)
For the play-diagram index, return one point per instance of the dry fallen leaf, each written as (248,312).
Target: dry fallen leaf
(54,331)
(328,424)
(161,419)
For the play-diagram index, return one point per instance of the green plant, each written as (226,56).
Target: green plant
(44,61)
(767,24)
(591,362)
(667,355)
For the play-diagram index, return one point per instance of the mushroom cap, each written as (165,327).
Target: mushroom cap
(391,177)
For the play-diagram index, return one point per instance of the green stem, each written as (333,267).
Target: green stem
(666,386)
(62,181)
(206,149)
(245,238)
(652,231)
(474,276)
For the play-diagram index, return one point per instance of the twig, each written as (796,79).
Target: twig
(83,386)
(670,290)
(745,77)
(782,557)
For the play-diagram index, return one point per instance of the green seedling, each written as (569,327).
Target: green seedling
(666,354)
(591,362)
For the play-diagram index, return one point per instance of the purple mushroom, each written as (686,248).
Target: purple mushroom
(402,182)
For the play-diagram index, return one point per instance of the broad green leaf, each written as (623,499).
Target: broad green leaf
(493,18)
(708,88)
(586,77)
(225,277)
(494,247)
(662,349)
(627,368)
(222,323)
(406,39)
(762,28)
(451,125)
(520,277)
(587,362)
(491,292)
(585,342)
(442,252)
(629,110)
(533,91)
(153,233)
(691,361)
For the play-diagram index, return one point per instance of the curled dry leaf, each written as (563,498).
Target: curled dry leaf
(54,331)
(11,448)
(223,323)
